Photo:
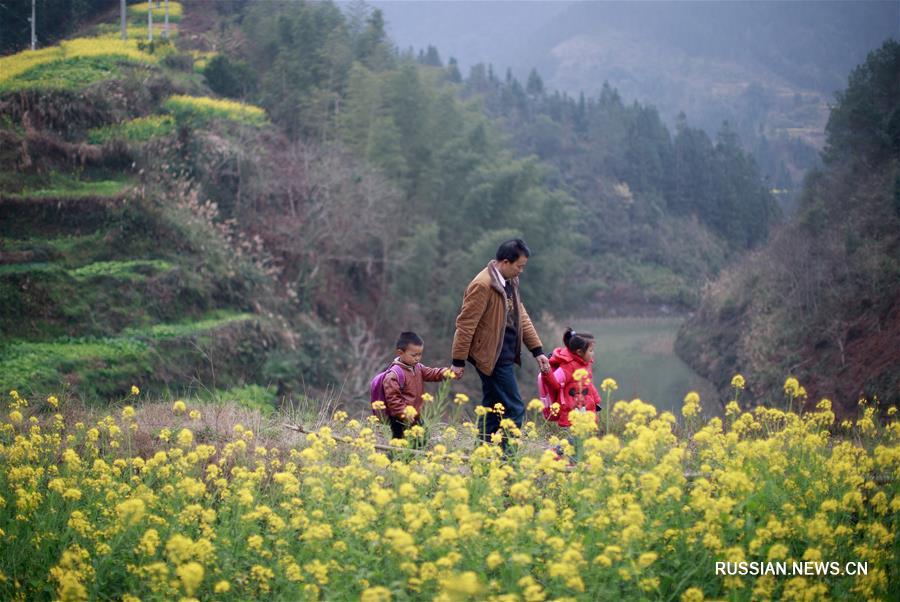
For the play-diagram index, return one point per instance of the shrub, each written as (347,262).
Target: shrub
(229,78)
(180,61)
(201,59)
(253,397)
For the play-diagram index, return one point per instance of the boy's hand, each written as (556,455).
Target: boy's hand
(543,363)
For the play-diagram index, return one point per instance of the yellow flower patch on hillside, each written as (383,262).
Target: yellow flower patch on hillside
(205,108)
(20,63)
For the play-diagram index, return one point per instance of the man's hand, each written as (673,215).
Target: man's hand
(458,370)
(543,363)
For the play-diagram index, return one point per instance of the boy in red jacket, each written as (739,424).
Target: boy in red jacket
(571,379)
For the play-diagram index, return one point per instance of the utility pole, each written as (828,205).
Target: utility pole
(124,23)
(33,36)
(149,20)
(166,28)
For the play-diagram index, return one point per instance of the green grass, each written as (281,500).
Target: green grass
(68,251)
(30,268)
(66,74)
(135,269)
(187,328)
(102,366)
(637,353)
(130,270)
(141,129)
(252,397)
(44,366)
(64,186)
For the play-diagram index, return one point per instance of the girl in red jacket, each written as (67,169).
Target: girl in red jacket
(571,379)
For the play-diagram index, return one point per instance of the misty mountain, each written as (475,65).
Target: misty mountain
(769,68)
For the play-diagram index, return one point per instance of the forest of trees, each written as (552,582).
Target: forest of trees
(590,182)
(387,178)
(821,301)
(473,160)
(54,19)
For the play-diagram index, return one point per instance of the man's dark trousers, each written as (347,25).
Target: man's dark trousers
(500,387)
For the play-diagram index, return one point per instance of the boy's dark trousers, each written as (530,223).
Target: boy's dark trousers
(398,431)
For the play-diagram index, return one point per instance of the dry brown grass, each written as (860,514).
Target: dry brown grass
(217,421)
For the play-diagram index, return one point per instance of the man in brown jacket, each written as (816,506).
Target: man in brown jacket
(490,329)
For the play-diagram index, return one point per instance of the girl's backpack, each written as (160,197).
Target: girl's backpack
(376,388)
(547,396)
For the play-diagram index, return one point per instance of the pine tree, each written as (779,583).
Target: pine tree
(453,74)
(535,85)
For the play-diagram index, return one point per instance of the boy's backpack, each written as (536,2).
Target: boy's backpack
(547,396)
(376,387)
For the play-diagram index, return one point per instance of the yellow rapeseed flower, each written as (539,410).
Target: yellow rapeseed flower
(460,585)
(185,438)
(72,494)
(179,407)
(215,108)
(691,405)
(148,543)
(460,398)
(791,387)
(135,390)
(583,423)
(191,575)
(131,511)
(609,384)
(692,594)
(738,381)
(141,9)
(494,559)
(376,594)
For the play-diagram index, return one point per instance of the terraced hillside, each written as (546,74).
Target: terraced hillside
(111,271)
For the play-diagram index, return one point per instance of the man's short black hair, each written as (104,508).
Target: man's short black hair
(511,250)
(408,338)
